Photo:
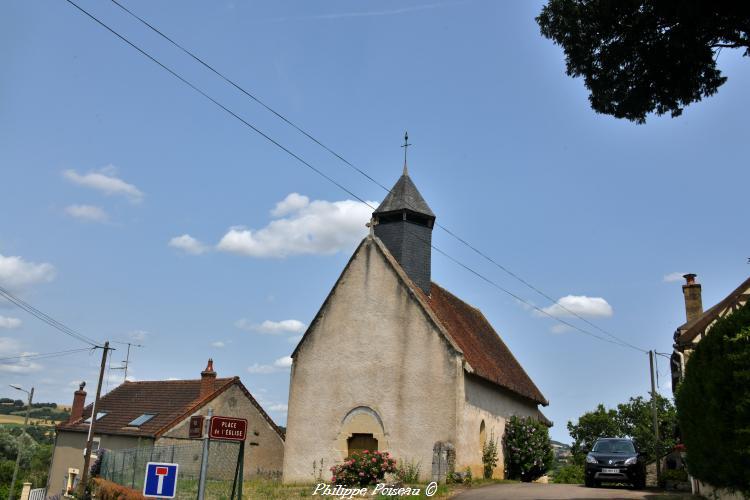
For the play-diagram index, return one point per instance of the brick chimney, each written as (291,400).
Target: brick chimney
(693,300)
(208,379)
(79,401)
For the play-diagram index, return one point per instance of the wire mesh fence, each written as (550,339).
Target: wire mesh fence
(127,467)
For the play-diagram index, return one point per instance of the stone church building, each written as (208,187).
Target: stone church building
(394,362)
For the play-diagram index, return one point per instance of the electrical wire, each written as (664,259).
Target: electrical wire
(46,318)
(365,174)
(47,355)
(616,340)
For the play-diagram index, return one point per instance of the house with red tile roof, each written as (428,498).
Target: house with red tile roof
(156,413)
(395,362)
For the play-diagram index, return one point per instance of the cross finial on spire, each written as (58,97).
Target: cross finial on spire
(406,147)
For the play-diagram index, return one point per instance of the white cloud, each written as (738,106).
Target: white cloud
(560,328)
(278,407)
(302,227)
(294,202)
(580,305)
(106,181)
(218,343)
(15,272)
(673,277)
(272,327)
(188,244)
(22,365)
(9,323)
(87,212)
(281,364)
(138,335)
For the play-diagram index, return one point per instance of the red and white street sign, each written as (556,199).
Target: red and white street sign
(228,428)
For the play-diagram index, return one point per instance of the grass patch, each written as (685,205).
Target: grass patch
(18,420)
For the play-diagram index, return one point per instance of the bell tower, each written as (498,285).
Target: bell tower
(404,223)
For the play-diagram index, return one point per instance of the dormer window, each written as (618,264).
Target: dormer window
(141,420)
(99,415)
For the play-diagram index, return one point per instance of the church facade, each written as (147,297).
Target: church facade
(394,362)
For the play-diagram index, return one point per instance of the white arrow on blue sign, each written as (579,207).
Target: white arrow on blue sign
(161,480)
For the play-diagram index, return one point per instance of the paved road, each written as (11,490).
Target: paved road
(534,491)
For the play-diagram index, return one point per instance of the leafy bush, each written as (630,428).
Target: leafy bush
(361,469)
(489,455)
(107,490)
(569,474)
(713,404)
(674,475)
(408,472)
(528,451)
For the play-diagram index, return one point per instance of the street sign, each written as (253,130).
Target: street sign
(196,427)
(161,480)
(228,428)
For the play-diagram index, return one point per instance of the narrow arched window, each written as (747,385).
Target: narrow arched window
(482,435)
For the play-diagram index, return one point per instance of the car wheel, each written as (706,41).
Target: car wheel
(589,483)
(639,484)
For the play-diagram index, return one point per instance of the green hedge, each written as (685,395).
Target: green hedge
(713,404)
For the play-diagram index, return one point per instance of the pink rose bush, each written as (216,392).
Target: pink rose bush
(362,469)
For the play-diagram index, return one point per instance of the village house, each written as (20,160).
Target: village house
(698,323)
(394,362)
(157,413)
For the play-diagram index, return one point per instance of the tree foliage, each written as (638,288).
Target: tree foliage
(643,56)
(34,461)
(713,404)
(527,447)
(633,419)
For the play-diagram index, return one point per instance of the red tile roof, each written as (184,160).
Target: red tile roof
(483,348)
(170,401)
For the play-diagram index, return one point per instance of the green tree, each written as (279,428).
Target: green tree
(636,420)
(590,427)
(643,56)
(713,404)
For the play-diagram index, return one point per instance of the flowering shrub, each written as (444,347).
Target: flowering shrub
(528,452)
(107,490)
(361,469)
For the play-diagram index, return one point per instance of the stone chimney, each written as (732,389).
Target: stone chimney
(208,379)
(693,301)
(79,401)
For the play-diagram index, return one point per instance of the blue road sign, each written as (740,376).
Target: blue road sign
(161,480)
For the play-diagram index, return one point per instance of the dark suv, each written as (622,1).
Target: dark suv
(615,460)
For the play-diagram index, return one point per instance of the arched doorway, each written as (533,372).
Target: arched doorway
(361,429)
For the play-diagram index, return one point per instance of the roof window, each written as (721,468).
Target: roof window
(141,420)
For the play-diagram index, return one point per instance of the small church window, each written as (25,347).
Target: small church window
(361,442)
(482,435)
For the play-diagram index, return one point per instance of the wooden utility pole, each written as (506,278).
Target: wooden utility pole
(656,417)
(90,438)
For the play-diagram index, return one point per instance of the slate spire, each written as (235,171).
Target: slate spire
(404,223)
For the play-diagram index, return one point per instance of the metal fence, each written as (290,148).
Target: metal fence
(128,467)
(37,494)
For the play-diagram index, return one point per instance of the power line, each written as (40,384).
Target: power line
(365,174)
(48,354)
(46,318)
(617,341)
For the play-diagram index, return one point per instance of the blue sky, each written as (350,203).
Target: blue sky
(105,159)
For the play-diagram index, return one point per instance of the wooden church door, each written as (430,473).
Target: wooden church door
(361,442)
